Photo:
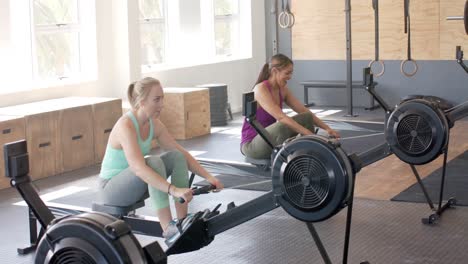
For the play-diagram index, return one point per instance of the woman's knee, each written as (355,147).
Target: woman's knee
(306,120)
(156,163)
(176,155)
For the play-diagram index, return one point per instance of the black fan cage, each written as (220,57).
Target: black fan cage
(414,134)
(71,255)
(306,182)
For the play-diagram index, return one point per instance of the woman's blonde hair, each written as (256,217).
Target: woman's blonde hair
(139,90)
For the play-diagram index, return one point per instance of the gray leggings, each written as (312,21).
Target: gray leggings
(259,149)
(126,188)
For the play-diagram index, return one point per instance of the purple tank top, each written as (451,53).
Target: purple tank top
(263,117)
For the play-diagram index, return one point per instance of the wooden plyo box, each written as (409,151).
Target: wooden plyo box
(186,112)
(105,113)
(12,128)
(41,136)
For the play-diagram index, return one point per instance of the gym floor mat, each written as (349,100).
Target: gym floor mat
(456,184)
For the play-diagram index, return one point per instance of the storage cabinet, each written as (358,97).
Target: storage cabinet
(12,128)
(186,112)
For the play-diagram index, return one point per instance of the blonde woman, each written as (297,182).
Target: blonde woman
(127,171)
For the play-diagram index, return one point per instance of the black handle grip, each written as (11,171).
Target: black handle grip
(6,131)
(200,190)
(204,189)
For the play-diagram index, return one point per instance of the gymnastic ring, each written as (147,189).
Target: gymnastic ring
(381,63)
(411,73)
(292,20)
(283,20)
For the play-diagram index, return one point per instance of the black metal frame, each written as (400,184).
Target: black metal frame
(267,202)
(452,115)
(17,169)
(39,213)
(459,56)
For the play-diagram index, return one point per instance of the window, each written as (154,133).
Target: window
(176,34)
(51,42)
(56,38)
(62,44)
(152,32)
(226,26)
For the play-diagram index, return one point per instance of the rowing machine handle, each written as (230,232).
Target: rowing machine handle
(200,190)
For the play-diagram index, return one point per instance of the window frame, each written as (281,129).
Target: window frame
(234,19)
(85,28)
(156,21)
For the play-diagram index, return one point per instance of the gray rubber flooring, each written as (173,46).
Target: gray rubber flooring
(382,232)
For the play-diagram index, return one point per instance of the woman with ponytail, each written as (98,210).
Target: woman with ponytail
(128,172)
(271,91)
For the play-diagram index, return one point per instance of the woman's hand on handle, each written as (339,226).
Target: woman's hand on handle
(333,133)
(184,194)
(217,183)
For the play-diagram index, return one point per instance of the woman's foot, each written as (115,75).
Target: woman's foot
(171,230)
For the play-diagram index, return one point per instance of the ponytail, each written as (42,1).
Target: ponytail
(264,74)
(130,94)
(278,61)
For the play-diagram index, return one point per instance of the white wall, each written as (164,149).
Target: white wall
(118,61)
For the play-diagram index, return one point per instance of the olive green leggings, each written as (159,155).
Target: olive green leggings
(126,188)
(259,149)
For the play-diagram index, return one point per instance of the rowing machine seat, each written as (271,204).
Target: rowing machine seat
(119,211)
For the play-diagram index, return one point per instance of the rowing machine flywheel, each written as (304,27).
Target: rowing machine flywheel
(417,131)
(312,178)
(89,238)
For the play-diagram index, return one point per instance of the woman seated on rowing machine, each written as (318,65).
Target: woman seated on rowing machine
(127,173)
(270,91)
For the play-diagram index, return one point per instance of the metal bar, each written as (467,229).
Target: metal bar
(442,181)
(144,226)
(238,215)
(349,216)
(349,59)
(426,194)
(375,4)
(455,18)
(319,243)
(369,85)
(34,201)
(262,132)
(374,154)
(274,12)
(458,112)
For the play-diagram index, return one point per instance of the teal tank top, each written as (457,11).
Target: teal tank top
(114,160)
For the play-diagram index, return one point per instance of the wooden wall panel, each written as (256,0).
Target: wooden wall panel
(425,29)
(319,33)
(452,33)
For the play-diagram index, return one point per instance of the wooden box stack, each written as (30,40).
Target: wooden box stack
(186,112)
(62,134)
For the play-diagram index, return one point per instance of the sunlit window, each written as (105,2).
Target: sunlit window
(58,39)
(153,32)
(226,26)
